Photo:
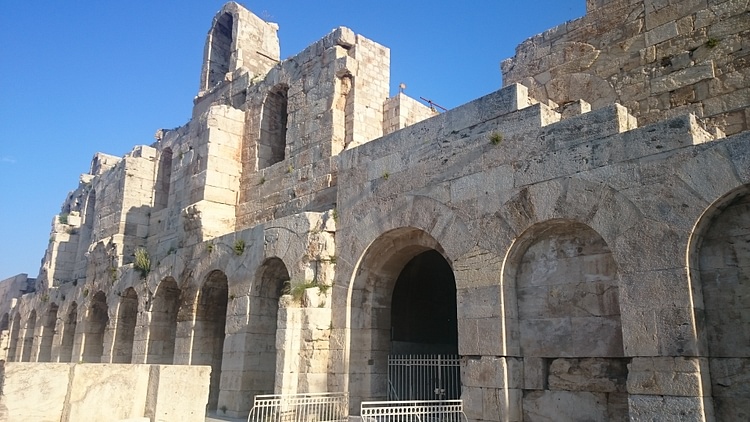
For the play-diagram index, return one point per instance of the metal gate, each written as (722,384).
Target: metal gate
(424,377)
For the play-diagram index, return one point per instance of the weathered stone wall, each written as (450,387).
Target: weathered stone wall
(595,249)
(76,392)
(658,58)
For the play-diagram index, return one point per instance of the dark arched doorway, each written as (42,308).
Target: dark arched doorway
(127,316)
(68,334)
(48,334)
(210,330)
(28,337)
(404,336)
(163,326)
(96,323)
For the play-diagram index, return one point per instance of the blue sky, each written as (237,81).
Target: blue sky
(79,77)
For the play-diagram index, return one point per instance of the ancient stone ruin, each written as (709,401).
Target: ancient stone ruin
(574,246)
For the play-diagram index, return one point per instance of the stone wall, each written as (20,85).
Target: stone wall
(56,392)
(584,258)
(658,58)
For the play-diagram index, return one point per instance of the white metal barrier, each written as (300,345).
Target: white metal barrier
(424,377)
(413,411)
(304,407)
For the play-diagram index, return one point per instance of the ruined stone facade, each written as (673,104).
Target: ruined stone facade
(579,238)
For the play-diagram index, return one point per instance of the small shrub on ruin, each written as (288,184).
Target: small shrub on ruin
(298,290)
(85,292)
(496,138)
(386,175)
(63,218)
(142,262)
(712,42)
(210,247)
(239,246)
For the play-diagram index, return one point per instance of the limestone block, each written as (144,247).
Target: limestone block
(492,372)
(648,408)
(682,78)
(730,377)
(122,387)
(585,127)
(673,376)
(588,374)
(178,392)
(34,391)
(534,373)
(564,406)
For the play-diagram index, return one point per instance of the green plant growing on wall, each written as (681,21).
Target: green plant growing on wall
(239,246)
(85,292)
(112,274)
(712,42)
(298,289)
(290,168)
(262,180)
(386,175)
(335,215)
(63,218)
(496,138)
(142,262)
(210,247)
(44,298)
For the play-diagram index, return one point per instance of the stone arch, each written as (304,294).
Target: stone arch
(219,50)
(719,257)
(391,260)
(163,326)
(271,279)
(96,323)
(68,334)
(15,330)
(127,316)
(209,329)
(273,126)
(163,180)
(28,337)
(567,319)
(48,334)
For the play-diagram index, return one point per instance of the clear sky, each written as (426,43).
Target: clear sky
(83,76)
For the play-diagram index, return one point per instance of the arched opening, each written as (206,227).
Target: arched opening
(568,316)
(68,334)
(271,279)
(15,330)
(4,323)
(163,326)
(85,234)
(402,276)
(96,323)
(272,143)
(424,331)
(722,257)
(28,337)
(220,50)
(127,316)
(48,334)
(163,180)
(209,330)
(343,112)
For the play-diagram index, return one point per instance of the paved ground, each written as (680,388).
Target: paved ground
(213,417)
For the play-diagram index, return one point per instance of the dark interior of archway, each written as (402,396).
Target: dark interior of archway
(93,348)
(423,308)
(208,346)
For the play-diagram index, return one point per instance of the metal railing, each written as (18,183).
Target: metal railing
(304,407)
(424,377)
(413,411)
